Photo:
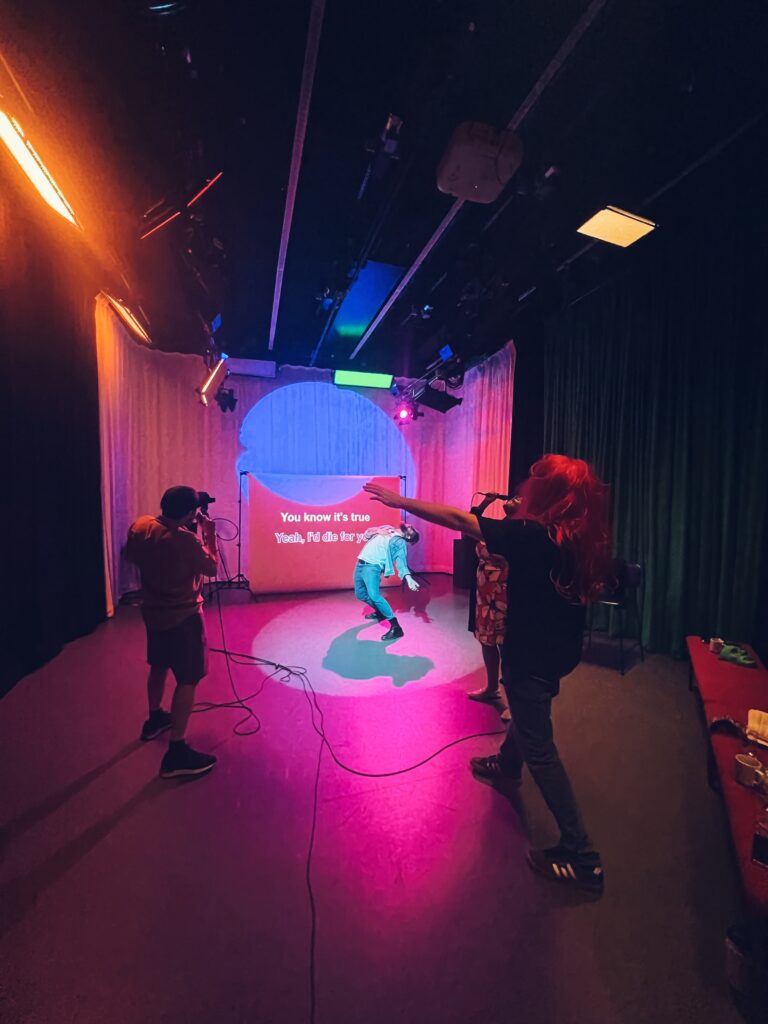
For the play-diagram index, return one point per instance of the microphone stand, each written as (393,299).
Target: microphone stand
(239,581)
(419,579)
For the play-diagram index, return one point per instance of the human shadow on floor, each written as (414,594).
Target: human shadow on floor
(416,601)
(19,895)
(353,658)
(17,826)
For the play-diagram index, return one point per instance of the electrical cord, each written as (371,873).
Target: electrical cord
(317,717)
(238,702)
(315,709)
(221,519)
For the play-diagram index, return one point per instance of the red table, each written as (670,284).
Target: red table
(729,690)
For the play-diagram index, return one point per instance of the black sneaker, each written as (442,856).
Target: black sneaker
(394,632)
(560,865)
(492,769)
(158,721)
(375,615)
(181,759)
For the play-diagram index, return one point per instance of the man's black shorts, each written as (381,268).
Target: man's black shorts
(182,649)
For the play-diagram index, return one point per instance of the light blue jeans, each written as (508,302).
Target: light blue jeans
(368,589)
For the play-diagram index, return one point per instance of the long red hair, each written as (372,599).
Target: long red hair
(567,497)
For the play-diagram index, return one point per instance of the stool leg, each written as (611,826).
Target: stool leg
(639,618)
(621,641)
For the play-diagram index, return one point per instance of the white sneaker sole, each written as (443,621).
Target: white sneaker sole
(175,773)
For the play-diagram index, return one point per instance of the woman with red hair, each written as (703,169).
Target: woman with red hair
(558,551)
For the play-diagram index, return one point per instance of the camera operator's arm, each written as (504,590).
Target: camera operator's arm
(207,553)
(442,515)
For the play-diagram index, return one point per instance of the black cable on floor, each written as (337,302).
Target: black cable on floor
(284,673)
(238,702)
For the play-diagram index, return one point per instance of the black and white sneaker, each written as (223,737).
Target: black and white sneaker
(492,770)
(158,721)
(561,865)
(181,759)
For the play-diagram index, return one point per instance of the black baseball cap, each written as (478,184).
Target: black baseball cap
(178,502)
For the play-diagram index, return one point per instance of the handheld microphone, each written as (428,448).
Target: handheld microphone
(501,497)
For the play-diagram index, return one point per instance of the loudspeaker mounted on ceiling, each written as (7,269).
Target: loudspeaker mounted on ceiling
(479,161)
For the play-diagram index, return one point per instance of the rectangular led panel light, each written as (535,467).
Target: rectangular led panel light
(21,148)
(252,368)
(616,226)
(356,379)
(214,379)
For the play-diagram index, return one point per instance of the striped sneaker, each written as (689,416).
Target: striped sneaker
(560,865)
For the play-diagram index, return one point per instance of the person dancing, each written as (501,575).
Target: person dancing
(386,549)
(558,550)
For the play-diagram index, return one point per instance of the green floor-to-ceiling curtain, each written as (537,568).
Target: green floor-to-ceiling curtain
(660,379)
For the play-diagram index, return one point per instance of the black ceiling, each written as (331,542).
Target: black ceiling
(168,96)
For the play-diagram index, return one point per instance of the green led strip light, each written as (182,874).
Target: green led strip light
(355,379)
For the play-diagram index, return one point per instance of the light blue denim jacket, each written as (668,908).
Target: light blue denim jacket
(396,555)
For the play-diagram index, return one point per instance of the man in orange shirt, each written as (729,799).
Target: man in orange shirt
(172,562)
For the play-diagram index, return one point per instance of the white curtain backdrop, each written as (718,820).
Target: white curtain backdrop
(155,433)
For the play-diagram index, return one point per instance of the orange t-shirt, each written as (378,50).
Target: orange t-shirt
(172,562)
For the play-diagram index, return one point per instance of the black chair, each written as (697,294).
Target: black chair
(621,595)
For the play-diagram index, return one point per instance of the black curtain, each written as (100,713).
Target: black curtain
(528,403)
(53,570)
(660,378)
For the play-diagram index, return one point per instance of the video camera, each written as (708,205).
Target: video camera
(204,499)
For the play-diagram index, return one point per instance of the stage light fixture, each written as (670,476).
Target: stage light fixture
(217,375)
(405,411)
(127,318)
(205,188)
(162,224)
(166,8)
(23,153)
(440,401)
(616,226)
(225,399)
(356,379)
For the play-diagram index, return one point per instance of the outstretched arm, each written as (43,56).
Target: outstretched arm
(442,515)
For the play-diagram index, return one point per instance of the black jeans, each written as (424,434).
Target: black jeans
(530,741)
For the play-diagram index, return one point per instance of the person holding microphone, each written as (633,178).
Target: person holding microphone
(557,546)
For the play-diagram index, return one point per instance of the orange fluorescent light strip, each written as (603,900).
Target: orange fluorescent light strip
(128,318)
(205,188)
(12,135)
(616,226)
(214,375)
(160,225)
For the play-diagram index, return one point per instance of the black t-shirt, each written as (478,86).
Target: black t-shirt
(544,629)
